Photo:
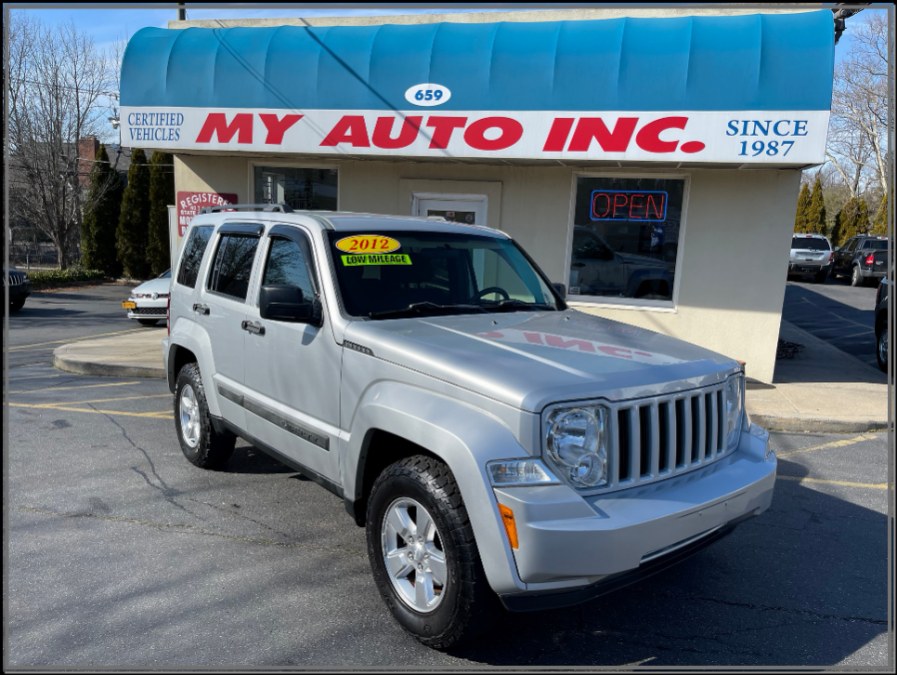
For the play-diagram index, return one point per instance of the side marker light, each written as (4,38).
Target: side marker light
(507,517)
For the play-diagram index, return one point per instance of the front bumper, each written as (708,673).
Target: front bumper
(146,309)
(572,547)
(18,292)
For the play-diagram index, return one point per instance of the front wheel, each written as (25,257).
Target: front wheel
(881,351)
(200,443)
(147,322)
(423,554)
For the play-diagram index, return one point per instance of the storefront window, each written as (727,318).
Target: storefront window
(626,237)
(297,188)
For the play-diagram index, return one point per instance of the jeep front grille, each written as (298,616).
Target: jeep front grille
(664,436)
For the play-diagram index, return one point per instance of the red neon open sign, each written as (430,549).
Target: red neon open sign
(649,206)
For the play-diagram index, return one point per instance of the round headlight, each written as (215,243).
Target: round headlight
(734,408)
(576,444)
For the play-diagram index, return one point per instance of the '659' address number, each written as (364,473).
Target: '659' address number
(427,94)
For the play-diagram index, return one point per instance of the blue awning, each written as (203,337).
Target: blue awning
(757,62)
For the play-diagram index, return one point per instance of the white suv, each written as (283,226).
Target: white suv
(811,254)
(496,444)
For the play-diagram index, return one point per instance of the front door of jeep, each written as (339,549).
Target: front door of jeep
(292,369)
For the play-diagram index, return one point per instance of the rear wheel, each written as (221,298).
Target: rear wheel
(821,276)
(423,554)
(200,443)
(856,278)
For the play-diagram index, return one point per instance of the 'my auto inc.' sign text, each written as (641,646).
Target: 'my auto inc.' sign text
(792,137)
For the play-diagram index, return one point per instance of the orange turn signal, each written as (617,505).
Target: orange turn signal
(507,517)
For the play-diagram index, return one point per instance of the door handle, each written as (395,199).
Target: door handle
(252,327)
(201,309)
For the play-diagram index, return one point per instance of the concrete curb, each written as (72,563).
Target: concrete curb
(104,370)
(813,425)
(73,358)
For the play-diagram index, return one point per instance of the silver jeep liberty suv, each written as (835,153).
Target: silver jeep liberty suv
(501,449)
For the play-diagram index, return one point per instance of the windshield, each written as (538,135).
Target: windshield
(383,275)
(810,243)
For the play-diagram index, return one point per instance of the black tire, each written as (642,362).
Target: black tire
(855,278)
(882,346)
(147,322)
(200,443)
(821,276)
(16,305)
(465,605)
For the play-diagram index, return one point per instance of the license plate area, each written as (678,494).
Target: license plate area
(128,304)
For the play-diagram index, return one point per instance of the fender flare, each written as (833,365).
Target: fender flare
(462,436)
(196,341)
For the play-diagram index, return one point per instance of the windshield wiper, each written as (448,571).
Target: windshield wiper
(425,309)
(514,305)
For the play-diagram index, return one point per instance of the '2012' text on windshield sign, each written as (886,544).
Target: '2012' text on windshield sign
(780,137)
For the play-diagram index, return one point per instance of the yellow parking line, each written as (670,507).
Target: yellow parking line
(80,386)
(59,342)
(106,400)
(841,483)
(165,414)
(825,446)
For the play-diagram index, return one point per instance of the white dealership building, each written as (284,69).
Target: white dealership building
(649,159)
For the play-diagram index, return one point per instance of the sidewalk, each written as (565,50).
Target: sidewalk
(819,389)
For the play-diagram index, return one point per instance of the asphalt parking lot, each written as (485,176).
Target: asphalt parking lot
(120,554)
(836,312)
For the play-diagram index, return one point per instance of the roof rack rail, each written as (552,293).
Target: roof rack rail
(282,208)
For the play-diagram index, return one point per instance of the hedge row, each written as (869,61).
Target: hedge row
(52,278)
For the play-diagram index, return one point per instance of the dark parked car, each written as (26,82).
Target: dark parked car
(858,260)
(19,288)
(882,332)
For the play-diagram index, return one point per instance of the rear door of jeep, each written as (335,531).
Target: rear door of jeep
(221,309)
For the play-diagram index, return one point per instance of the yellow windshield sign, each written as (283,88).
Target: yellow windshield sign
(368,243)
(376,259)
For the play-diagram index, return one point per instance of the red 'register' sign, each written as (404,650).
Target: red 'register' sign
(191,203)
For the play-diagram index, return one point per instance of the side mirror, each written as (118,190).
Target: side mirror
(561,289)
(286,303)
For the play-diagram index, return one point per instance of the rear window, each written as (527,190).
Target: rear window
(876,244)
(810,244)
(192,257)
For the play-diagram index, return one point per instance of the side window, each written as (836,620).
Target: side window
(288,264)
(192,256)
(233,265)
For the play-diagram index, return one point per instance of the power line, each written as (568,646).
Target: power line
(39,83)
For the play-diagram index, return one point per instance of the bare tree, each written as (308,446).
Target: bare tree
(858,135)
(57,82)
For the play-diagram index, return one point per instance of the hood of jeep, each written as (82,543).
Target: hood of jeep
(531,359)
